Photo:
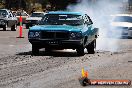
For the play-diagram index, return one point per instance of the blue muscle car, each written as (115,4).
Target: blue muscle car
(64,30)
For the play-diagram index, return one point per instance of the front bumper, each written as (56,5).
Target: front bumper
(58,44)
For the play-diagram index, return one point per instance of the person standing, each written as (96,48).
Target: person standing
(33,10)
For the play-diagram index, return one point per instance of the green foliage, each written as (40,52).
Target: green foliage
(29,4)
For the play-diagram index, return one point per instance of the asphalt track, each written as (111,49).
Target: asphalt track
(60,68)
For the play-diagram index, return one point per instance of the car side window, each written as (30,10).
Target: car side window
(10,14)
(14,15)
(89,21)
(86,19)
(24,14)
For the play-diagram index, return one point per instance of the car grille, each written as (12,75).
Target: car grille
(54,35)
(33,21)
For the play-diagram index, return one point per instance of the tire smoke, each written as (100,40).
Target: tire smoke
(100,12)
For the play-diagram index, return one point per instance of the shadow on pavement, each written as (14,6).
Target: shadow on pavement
(51,53)
(5,31)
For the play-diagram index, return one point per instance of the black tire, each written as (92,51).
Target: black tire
(47,50)
(27,26)
(13,28)
(80,51)
(4,28)
(91,46)
(35,50)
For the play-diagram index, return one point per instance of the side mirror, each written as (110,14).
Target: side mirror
(88,23)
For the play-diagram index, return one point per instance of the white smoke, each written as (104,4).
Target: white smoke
(100,12)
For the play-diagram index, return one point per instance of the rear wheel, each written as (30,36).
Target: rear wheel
(35,50)
(80,51)
(91,46)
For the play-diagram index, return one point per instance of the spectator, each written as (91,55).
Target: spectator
(48,7)
(44,10)
(33,10)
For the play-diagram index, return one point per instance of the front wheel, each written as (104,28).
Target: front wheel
(91,46)
(27,26)
(35,50)
(80,51)
(13,28)
(4,27)
(47,50)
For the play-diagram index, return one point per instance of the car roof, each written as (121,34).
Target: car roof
(5,9)
(21,11)
(38,12)
(64,12)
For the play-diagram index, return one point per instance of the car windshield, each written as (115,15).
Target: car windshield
(21,14)
(3,13)
(123,19)
(37,15)
(62,19)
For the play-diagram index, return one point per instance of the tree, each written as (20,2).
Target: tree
(29,4)
(12,4)
(62,4)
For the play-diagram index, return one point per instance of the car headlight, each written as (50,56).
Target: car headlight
(37,34)
(34,34)
(75,35)
(72,35)
(2,22)
(31,34)
(130,28)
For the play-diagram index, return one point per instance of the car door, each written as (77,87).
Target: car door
(88,24)
(91,27)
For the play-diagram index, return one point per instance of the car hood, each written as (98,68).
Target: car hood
(34,18)
(121,24)
(56,28)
